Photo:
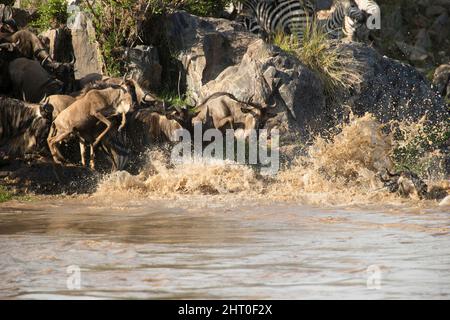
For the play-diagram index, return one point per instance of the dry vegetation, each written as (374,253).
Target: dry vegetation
(334,64)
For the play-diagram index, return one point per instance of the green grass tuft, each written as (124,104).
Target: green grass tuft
(335,66)
(5,195)
(52,14)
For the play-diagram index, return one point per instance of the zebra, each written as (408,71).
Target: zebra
(344,20)
(273,16)
(373,20)
(362,17)
(372,9)
(292,16)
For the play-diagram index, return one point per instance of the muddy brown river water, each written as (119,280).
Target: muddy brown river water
(322,228)
(155,249)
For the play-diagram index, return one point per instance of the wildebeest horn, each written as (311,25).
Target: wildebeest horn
(124,78)
(16,43)
(44,100)
(178,109)
(74,59)
(148,98)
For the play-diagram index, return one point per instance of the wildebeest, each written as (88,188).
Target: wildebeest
(405,183)
(5,57)
(153,127)
(32,82)
(88,79)
(24,127)
(8,27)
(140,97)
(7,23)
(81,118)
(28,45)
(221,109)
(115,144)
(144,129)
(59,102)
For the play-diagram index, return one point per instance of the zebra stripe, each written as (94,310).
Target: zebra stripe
(344,19)
(369,6)
(250,24)
(372,9)
(288,16)
(246,7)
(292,17)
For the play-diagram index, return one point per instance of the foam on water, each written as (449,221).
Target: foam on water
(336,171)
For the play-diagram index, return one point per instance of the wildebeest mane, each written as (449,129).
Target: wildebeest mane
(22,126)
(98,85)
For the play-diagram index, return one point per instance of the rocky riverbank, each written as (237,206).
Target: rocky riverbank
(199,56)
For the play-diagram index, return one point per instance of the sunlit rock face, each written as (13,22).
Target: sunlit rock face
(86,51)
(278,82)
(144,66)
(205,46)
(217,55)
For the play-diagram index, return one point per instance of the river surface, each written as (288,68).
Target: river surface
(163,249)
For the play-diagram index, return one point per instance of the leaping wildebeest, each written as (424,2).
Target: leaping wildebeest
(139,95)
(81,118)
(114,144)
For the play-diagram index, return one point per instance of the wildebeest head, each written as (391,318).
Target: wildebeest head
(46,109)
(63,71)
(180,114)
(8,26)
(125,102)
(141,97)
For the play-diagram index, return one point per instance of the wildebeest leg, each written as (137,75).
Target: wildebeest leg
(124,121)
(52,144)
(53,149)
(83,153)
(103,119)
(224,121)
(92,160)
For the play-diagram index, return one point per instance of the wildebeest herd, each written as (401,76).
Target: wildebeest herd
(44,109)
